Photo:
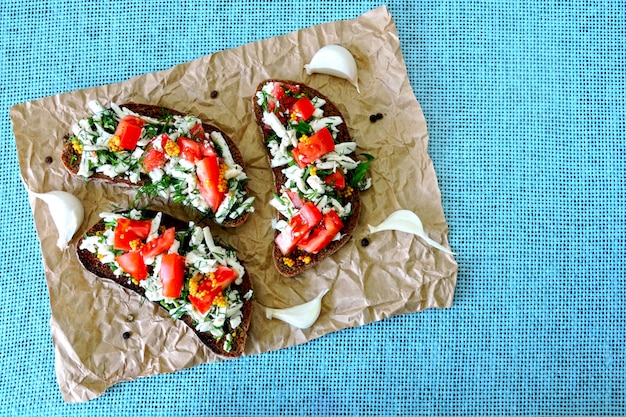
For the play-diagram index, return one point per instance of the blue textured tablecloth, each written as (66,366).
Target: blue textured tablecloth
(525,108)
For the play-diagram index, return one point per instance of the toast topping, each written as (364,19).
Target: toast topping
(319,171)
(172,157)
(185,271)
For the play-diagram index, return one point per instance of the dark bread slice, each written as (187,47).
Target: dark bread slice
(350,222)
(71,158)
(93,265)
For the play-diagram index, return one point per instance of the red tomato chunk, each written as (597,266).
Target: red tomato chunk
(159,244)
(129,131)
(132,263)
(322,235)
(204,288)
(172,274)
(129,230)
(313,147)
(208,172)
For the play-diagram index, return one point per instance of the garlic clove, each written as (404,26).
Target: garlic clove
(301,316)
(334,60)
(408,222)
(67,214)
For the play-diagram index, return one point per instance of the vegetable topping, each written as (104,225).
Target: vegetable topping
(186,271)
(321,172)
(172,157)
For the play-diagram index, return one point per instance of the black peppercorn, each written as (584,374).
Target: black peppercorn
(126,335)
(365,242)
(375,117)
(214,94)
(48,159)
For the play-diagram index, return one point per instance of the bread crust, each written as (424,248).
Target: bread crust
(350,222)
(71,158)
(93,265)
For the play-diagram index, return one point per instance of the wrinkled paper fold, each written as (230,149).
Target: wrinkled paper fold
(395,274)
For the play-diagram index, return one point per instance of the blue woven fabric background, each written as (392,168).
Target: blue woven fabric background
(525,104)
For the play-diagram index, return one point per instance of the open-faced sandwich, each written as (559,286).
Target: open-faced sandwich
(164,153)
(316,172)
(179,266)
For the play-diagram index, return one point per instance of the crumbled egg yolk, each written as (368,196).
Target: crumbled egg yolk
(135,244)
(220,301)
(304,139)
(347,192)
(199,279)
(78,147)
(196,280)
(114,144)
(172,148)
(305,259)
(313,170)
(288,261)
(222,184)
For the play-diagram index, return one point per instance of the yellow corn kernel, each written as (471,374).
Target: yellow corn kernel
(114,144)
(172,148)
(288,261)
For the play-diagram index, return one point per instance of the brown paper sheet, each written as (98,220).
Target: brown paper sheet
(395,274)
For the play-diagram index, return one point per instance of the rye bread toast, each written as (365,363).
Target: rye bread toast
(71,157)
(92,263)
(299,260)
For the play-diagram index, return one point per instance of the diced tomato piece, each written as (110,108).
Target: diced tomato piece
(164,138)
(153,159)
(129,131)
(303,108)
(197,132)
(323,234)
(128,230)
(295,199)
(208,172)
(159,245)
(172,274)
(311,214)
(298,227)
(207,149)
(336,179)
(132,263)
(285,93)
(203,304)
(314,147)
(209,288)
(291,234)
(189,149)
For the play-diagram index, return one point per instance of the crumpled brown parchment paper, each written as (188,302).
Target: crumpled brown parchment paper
(395,274)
